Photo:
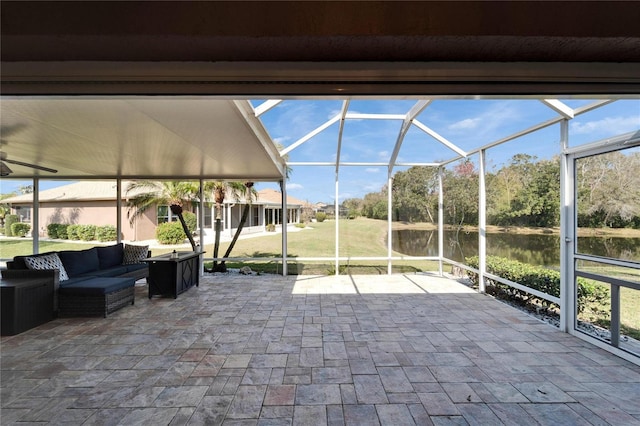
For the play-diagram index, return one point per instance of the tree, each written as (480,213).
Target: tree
(415,194)
(460,187)
(220,190)
(151,194)
(249,194)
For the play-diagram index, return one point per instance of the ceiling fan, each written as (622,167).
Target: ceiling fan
(6,171)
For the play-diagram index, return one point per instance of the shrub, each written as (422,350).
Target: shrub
(106,233)
(57,230)
(73,232)
(20,229)
(170,233)
(87,232)
(535,277)
(9,220)
(300,225)
(321,216)
(191,220)
(271,227)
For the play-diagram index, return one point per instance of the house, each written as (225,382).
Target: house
(94,203)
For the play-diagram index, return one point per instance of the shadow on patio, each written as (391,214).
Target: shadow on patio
(362,350)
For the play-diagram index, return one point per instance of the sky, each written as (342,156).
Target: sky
(468,124)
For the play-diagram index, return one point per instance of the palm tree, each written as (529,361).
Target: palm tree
(150,194)
(249,193)
(220,190)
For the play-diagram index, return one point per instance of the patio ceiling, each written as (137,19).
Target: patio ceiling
(137,138)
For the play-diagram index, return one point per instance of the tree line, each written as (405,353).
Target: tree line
(523,192)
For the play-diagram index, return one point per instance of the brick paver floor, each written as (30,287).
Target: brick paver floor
(272,350)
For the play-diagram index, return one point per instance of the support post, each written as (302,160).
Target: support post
(440,220)
(283,188)
(337,214)
(389,216)
(35,217)
(482,223)
(119,210)
(201,222)
(567,234)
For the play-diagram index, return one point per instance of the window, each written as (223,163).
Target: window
(164,215)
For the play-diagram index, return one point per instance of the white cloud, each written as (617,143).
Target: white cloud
(384,155)
(372,170)
(294,186)
(466,124)
(607,125)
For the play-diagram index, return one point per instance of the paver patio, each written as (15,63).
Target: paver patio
(352,350)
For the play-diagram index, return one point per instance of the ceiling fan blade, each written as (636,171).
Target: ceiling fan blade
(33,166)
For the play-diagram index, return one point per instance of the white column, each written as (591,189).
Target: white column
(119,210)
(335,207)
(389,215)
(201,220)
(440,219)
(567,233)
(482,223)
(285,271)
(35,216)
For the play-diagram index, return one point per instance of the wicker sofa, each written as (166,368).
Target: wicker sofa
(96,281)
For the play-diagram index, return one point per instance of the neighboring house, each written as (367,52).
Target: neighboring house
(94,203)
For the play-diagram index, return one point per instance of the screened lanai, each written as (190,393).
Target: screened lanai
(350,147)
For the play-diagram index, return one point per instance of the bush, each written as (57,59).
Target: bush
(191,220)
(106,233)
(271,227)
(57,230)
(170,233)
(300,225)
(73,232)
(20,229)
(321,216)
(87,232)
(535,277)
(9,220)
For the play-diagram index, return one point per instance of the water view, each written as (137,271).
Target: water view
(534,249)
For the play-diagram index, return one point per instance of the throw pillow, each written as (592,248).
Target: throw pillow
(50,261)
(134,254)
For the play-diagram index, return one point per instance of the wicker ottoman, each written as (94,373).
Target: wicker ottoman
(95,296)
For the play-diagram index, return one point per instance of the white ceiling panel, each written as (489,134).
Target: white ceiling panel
(138,137)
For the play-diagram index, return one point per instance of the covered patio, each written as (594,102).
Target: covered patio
(394,350)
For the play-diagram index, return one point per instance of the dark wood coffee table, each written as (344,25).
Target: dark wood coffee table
(169,276)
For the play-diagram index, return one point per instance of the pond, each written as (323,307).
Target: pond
(534,249)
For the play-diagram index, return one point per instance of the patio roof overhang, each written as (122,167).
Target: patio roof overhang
(142,137)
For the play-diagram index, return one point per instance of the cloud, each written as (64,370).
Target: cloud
(372,170)
(384,155)
(466,124)
(607,125)
(294,186)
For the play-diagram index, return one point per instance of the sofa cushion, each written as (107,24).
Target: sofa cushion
(134,254)
(80,262)
(114,271)
(49,261)
(95,286)
(110,255)
(137,267)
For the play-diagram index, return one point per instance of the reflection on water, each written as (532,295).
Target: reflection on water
(534,249)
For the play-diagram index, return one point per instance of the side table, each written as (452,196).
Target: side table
(26,303)
(170,276)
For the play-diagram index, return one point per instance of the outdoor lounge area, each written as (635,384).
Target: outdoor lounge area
(354,350)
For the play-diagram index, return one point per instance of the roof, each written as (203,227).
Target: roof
(106,191)
(271,196)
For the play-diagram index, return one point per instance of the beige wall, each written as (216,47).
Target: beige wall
(96,213)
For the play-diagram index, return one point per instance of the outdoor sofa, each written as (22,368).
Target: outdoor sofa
(92,282)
